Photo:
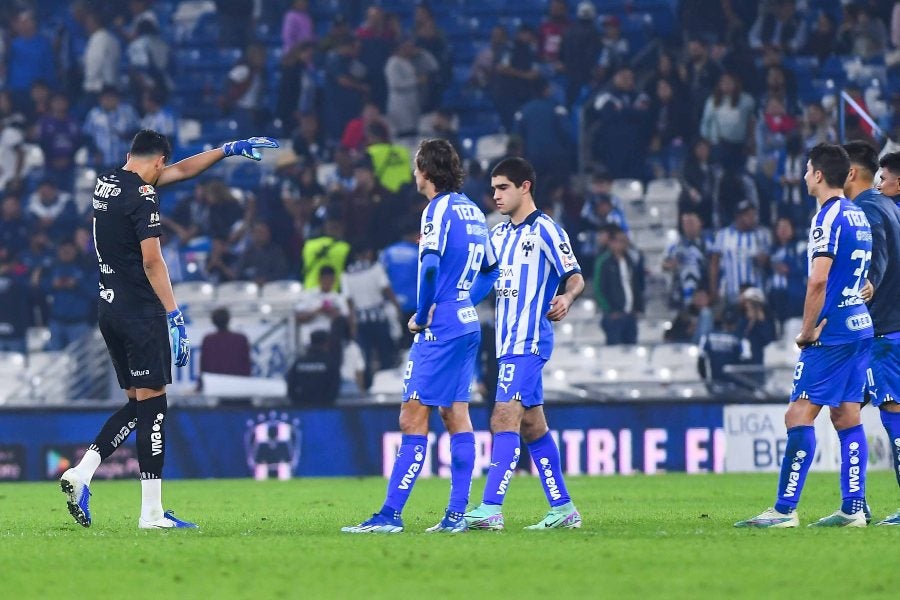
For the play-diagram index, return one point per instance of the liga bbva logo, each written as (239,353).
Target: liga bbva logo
(272,442)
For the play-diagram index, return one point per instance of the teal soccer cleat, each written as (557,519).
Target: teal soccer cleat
(486,516)
(78,497)
(771,519)
(559,517)
(841,519)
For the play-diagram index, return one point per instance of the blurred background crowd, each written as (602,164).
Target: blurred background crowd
(669,139)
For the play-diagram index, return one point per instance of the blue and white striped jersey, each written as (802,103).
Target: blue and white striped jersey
(532,257)
(841,230)
(737,266)
(453,227)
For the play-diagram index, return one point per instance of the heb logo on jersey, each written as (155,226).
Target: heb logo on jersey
(859,322)
(467,315)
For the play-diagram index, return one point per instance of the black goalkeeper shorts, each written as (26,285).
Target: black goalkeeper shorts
(139,349)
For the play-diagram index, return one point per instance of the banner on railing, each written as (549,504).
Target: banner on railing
(594,440)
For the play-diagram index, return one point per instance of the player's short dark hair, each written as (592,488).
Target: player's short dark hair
(438,161)
(517,170)
(891,162)
(220,318)
(832,161)
(147,142)
(863,154)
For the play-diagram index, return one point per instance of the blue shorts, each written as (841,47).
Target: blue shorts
(829,375)
(520,379)
(440,373)
(884,371)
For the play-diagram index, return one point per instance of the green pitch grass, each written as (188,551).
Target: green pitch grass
(667,536)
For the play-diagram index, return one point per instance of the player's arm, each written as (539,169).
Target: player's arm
(559,306)
(559,251)
(428,277)
(815,299)
(715,260)
(196,164)
(487,275)
(158,273)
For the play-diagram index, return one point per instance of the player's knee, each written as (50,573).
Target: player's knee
(413,423)
(844,418)
(504,420)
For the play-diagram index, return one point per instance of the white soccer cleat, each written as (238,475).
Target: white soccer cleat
(841,519)
(168,521)
(771,519)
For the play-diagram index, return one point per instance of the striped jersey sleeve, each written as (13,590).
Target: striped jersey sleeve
(436,226)
(557,249)
(825,232)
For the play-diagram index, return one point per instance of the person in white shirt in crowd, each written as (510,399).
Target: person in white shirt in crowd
(102,56)
(739,255)
(320,307)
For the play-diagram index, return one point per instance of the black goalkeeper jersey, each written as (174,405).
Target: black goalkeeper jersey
(126,212)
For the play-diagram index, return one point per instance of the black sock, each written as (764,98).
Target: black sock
(151,439)
(116,429)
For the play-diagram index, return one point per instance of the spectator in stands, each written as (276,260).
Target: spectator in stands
(368,292)
(580,50)
(148,60)
(739,255)
(551,32)
(390,162)
(12,139)
(702,18)
(16,314)
(727,122)
(29,59)
(224,352)
(246,88)
(401,263)
(345,88)
(822,37)
(320,306)
(212,212)
(261,261)
(377,40)
(59,136)
(793,201)
(543,124)
(140,12)
(38,102)
(102,57)
(721,348)
(861,33)
(817,126)
(778,84)
(72,292)
(733,187)
(757,327)
(429,38)
(669,129)
(156,116)
(297,27)
(442,123)
(615,49)
(772,132)
(13,226)
(700,74)
(688,261)
(597,215)
(342,179)
(299,93)
(487,59)
(109,128)
(404,105)
(353,363)
(787,279)
(515,76)
(52,211)
(308,143)
(779,26)
(692,322)
(619,290)
(354,136)
(314,378)
(327,251)
(621,115)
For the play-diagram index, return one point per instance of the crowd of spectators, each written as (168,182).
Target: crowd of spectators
(714,104)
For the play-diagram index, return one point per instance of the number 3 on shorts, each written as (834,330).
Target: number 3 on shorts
(798,371)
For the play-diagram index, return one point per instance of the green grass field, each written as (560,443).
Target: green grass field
(665,536)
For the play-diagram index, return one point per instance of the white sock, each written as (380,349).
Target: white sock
(151,499)
(88,465)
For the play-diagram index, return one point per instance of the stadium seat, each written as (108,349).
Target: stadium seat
(281,294)
(36,338)
(628,190)
(386,384)
(194,296)
(667,189)
(237,291)
(189,130)
(491,147)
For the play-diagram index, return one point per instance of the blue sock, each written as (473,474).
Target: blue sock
(545,455)
(504,458)
(891,422)
(854,459)
(404,474)
(798,457)
(462,463)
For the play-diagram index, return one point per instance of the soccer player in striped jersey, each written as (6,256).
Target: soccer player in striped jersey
(738,254)
(836,340)
(452,250)
(536,281)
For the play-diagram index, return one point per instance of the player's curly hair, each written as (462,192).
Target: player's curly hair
(438,161)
